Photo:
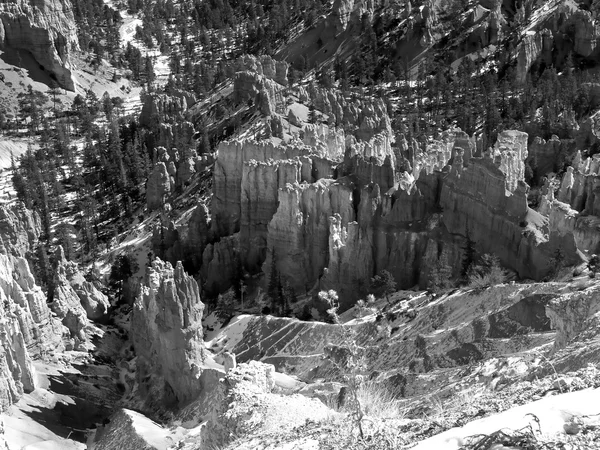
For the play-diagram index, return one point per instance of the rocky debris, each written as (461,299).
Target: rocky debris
(46,29)
(158,186)
(166,331)
(247,407)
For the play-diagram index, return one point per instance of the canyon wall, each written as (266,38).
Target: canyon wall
(46,29)
(27,328)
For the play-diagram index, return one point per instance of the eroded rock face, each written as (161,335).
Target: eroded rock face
(20,229)
(46,29)
(131,430)
(220,262)
(257,90)
(166,331)
(65,301)
(157,105)
(27,328)
(158,186)
(534,46)
(245,405)
(311,211)
(265,65)
(95,304)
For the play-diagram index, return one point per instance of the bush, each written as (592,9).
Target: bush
(487,273)
(378,402)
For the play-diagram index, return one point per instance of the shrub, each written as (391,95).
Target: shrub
(349,360)
(377,401)
(440,276)
(487,273)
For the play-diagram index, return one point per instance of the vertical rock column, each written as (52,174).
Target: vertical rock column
(166,330)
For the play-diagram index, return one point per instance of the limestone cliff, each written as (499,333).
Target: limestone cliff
(46,29)
(533,47)
(69,280)
(28,328)
(20,229)
(65,301)
(574,210)
(166,331)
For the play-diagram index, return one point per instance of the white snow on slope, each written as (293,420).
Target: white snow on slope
(552,412)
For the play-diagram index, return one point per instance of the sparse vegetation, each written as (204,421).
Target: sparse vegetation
(487,272)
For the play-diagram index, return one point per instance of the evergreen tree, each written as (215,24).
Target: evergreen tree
(383,284)
(440,276)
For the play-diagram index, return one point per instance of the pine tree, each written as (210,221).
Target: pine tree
(440,277)
(273,289)
(383,284)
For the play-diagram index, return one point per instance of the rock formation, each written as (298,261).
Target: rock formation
(534,46)
(575,211)
(264,65)
(254,89)
(46,29)
(94,303)
(313,209)
(27,326)
(166,331)
(171,106)
(65,301)
(158,186)
(245,404)
(20,229)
